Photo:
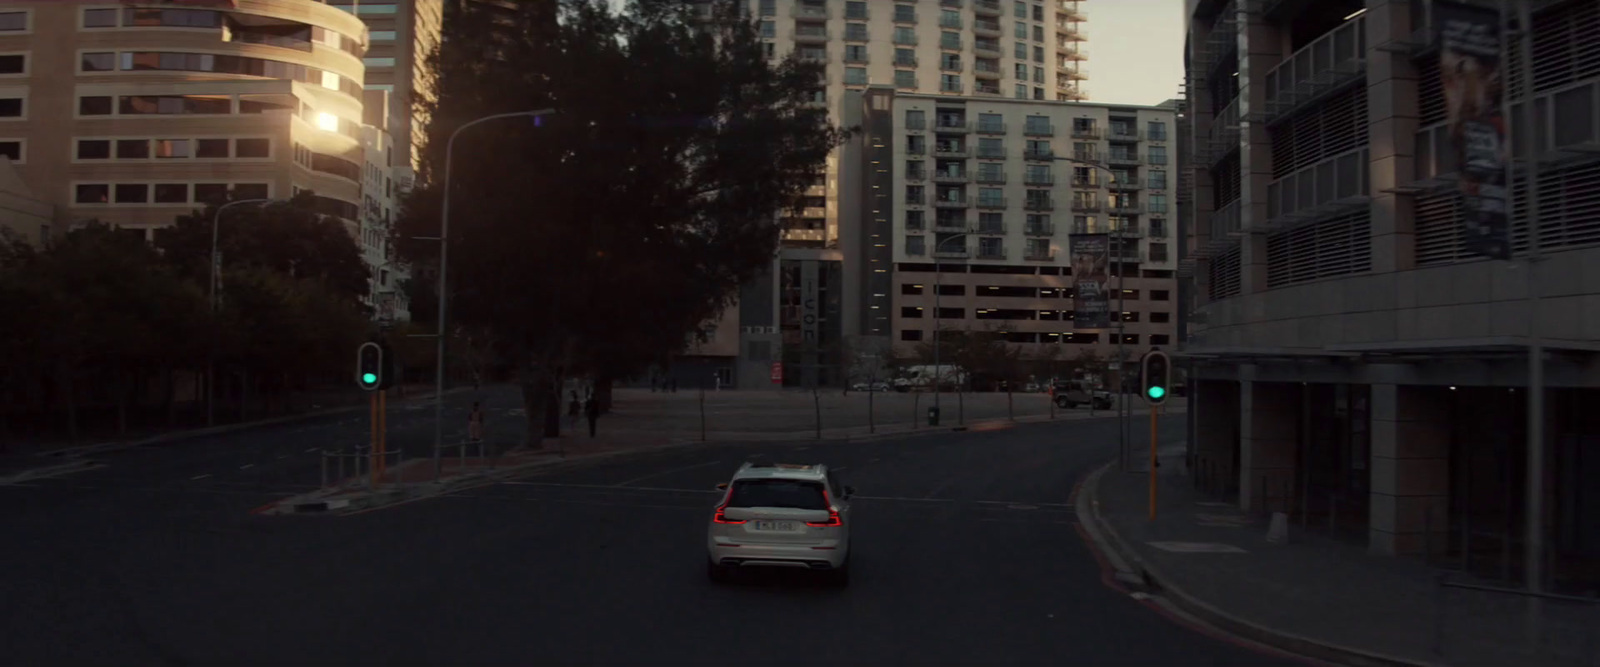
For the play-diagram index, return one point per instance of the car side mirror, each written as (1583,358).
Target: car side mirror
(723,486)
(849,491)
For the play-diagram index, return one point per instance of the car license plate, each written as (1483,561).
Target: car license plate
(779,526)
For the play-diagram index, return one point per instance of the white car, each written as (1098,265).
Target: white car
(781,515)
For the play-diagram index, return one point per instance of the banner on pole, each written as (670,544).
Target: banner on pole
(1091,296)
(1470,71)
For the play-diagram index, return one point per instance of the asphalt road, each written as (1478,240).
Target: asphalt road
(965,553)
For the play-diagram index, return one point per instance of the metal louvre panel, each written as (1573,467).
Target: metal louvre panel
(1564,47)
(1569,214)
(1334,126)
(1334,247)
(1438,228)
(1225,276)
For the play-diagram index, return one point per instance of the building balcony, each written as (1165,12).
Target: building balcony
(953,23)
(986,28)
(991,153)
(1039,254)
(1038,130)
(950,86)
(1127,232)
(907,18)
(992,252)
(1127,186)
(905,40)
(1157,258)
(950,44)
(957,226)
(1124,159)
(1039,204)
(811,235)
(905,62)
(951,252)
(991,178)
(998,229)
(991,128)
(952,4)
(986,88)
(916,125)
(1125,208)
(987,50)
(951,203)
(1085,183)
(1086,156)
(916,201)
(950,177)
(811,37)
(1086,205)
(1038,154)
(1039,179)
(950,66)
(985,71)
(951,151)
(812,12)
(986,7)
(916,149)
(1122,134)
(952,126)
(1036,229)
(1088,229)
(991,203)
(858,58)
(1080,132)
(858,14)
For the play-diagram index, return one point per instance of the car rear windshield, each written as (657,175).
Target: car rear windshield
(787,493)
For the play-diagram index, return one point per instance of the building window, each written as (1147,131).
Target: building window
(100,18)
(1158,155)
(914,221)
(1158,179)
(916,119)
(1038,33)
(1160,339)
(768,8)
(257,148)
(910,335)
(904,35)
(133,193)
(1156,131)
(855,9)
(904,78)
(211,148)
(1160,318)
(916,246)
(94,149)
(855,53)
(98,62)
(12,107)
(94,106)
(13,21)
(92,193)
(911,311)
(1038,54)
(133,149)
(1022,91)
(256,191)
(910,289)
(769,29)
(855,32)
(378,62)
(172,193)
(950,40)
(14,64)
(382,35)
(140,105)
(11,149)
(210,193)
(905,14)
(855,76)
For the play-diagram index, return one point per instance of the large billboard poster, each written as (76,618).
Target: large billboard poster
(1091,294)
(1470,72)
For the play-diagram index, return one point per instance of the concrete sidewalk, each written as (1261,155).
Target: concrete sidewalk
(1315,596)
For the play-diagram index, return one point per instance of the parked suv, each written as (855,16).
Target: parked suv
(781,515)
(1073,393)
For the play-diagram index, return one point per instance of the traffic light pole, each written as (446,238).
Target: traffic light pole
(1153,462)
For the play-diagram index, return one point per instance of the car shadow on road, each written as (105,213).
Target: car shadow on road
(781,581)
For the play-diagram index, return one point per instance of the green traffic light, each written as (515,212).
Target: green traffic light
(369,378)
(1157,392)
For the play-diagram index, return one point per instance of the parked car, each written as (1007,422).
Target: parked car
(1073,393)
(873,386)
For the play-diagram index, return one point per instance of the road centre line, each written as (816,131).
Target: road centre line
(665,472)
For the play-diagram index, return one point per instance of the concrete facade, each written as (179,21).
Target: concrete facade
(1342,343)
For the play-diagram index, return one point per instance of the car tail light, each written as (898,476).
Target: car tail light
(719,517)
(833,515)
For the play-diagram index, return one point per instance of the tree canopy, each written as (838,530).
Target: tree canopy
(603,235)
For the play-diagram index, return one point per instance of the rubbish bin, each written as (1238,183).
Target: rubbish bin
(933,415)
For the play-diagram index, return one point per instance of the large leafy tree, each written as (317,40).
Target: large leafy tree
(289,238)
(602,236)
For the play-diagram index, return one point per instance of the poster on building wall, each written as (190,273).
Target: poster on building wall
(1091,298)
(1473,81)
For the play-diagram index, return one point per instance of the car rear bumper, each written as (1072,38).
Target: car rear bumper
(828,555)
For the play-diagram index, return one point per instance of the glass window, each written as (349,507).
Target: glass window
(133,193)
(950,40)
(92,193)
(1021,51)
(94,149)
(910,335)
(1038,54)
(13,21)
(769,29)
(778,493)
(1158,155)
(1021,71)
(13,64)
(94,106)
(172,193)
(99,62)
(1022,91)
(378,62)
(133,149)
(904,78)
(210,193)
(905,14)
(100,18)
(251,191)
(950,18)
(916,246)
(768,8)
(855,9)
(1157,131)
(855,76)
(211,148)
(382,35)
(1158,178)
(172,148)
(11,107)
(12,150)
(916,119)
(1038,33)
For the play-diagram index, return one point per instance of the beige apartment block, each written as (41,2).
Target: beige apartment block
(403,35)
(134,113)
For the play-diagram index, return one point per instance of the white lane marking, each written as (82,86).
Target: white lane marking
(665,472)
(200,477)
(1020,502)
(247,466)
(801,449)
(609,487)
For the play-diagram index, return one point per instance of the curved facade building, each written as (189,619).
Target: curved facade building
(1352,359)
(134,113)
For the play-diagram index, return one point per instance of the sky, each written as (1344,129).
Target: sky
(1135,49)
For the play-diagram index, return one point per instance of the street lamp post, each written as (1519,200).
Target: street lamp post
(1122,304)
(937,372)
(444,263)
(211,361)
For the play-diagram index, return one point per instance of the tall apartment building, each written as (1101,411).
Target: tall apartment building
(133,113)
(402,34)
(1348,350)
(985,198)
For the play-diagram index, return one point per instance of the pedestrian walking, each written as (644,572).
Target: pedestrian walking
(475,423)
(573,408)
(592,410)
